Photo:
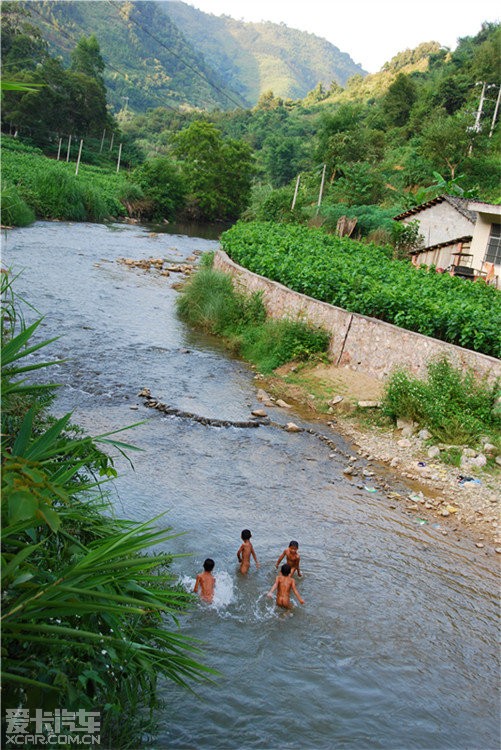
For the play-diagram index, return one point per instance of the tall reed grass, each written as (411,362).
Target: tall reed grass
(210,302)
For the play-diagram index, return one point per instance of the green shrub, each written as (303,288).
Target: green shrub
(452,404)
(369,218)
(210,302)
(163,187)
(15,211)
(279,341)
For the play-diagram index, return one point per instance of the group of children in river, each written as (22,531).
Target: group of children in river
(284,582)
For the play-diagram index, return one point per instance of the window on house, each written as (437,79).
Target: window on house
(493,254)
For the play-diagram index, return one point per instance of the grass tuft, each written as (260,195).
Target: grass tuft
(210,302)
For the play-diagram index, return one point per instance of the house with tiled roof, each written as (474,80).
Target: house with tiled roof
(460,236)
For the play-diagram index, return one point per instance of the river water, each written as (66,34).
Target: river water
(396,646)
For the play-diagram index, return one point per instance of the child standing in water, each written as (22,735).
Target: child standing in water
(283,586)
(292,556)
(206,582)
(245,551)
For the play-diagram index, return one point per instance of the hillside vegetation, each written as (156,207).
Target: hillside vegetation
(148,60)
(170,54)
(257,57)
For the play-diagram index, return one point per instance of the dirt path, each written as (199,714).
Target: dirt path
(330,394)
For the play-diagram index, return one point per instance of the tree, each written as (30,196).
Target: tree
(163,186)
(86,58)
(399,99)
(445,140)
(22,44)
(218,171)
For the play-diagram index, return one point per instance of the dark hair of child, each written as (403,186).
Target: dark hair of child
(293,544)
(246,534)
(286,569)
(208,564)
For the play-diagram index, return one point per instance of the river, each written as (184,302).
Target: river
(396,646)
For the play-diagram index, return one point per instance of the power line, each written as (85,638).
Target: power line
(174,54)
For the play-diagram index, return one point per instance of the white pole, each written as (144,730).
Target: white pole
(119,155)
(321,188)
(68,152)
(495,115)
(59,149)
(111,144)
(480,108)
(295,192)
(79,155)
(102,141)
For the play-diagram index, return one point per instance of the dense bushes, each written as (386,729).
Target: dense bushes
(163,187)
(15,211)
(362,278)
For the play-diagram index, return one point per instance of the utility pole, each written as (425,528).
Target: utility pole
(495,115)
(79,155)
(321,189)
(295,191)
(119,156)
(477,127)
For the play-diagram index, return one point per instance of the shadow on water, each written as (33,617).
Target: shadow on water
(396,646)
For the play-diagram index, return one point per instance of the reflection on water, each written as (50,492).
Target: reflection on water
(396,646)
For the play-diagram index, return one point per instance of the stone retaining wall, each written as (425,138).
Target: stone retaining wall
(357,341)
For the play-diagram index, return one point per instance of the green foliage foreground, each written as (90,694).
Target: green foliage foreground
(453,405)
(362,278)
(209,302)
(88,615)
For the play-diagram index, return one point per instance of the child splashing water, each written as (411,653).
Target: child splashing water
(283,585)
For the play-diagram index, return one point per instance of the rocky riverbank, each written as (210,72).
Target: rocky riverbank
(461,501)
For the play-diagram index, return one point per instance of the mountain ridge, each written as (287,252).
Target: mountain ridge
(269,56)
(160,54)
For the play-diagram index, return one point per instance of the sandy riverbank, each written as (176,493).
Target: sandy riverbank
(437,495)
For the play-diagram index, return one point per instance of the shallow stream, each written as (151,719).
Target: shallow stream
(397,644)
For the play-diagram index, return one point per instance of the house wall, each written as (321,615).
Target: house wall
(480,240)
(357,341)
(440,222)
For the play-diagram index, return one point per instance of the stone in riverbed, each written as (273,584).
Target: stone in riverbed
(291,427)
(259,413)
(283,404)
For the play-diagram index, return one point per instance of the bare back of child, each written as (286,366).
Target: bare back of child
(283,585)
(205,582)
